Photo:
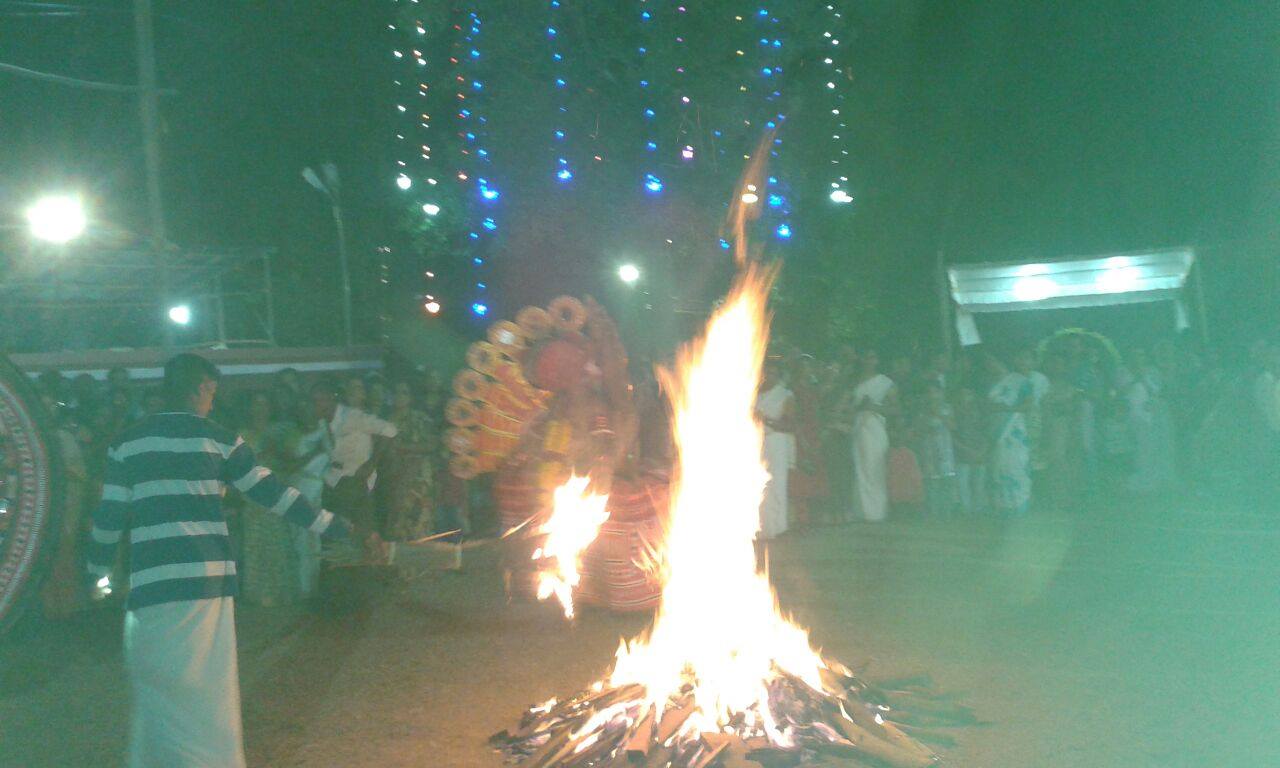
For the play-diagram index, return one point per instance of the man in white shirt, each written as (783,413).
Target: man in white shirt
(354,442)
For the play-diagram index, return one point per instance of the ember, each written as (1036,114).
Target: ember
(722,677)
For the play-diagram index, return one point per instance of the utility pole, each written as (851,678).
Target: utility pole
(149,111)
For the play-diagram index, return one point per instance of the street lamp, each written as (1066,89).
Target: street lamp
(57,219)
(180,314)
(330,187)
(629,273)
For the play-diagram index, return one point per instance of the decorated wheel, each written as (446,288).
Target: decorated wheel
(567,314)
(535,322)
(30,491)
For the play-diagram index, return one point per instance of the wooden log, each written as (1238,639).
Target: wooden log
(896,736)
(608,743)
(864,742)
(641,740)
(734,755)
(544,755)
(659,757)
(835,683)
(776,757)
(709,754)
(934,711)
(672,719)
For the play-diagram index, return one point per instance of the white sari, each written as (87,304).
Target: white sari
(1011,449)
(779,457)
(1152,426)
(871,450)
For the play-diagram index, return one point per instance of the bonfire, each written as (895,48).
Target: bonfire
(722,677)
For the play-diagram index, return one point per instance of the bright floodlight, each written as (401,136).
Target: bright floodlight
(431,209)
(180,314)
(57,218)
(840,196)
(629,273)
(403,181)
(432,307)
(1034,288)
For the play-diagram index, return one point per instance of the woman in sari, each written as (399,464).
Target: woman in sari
(873,398)
(1010,467)
(410,471)
(270,559)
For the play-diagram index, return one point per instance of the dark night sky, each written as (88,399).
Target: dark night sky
(994,130)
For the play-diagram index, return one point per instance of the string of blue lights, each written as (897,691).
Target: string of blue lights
(476,168)
(653,183)
(563,169)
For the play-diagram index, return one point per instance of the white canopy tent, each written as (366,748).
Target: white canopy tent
(1095,281)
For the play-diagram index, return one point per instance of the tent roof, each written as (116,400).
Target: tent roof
(1096,281)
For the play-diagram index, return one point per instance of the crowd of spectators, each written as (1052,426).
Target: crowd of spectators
(278,417)
(1048,427)
(974,433)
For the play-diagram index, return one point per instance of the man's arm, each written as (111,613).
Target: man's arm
(110,517)
(263,488)
(310,444)
(381,431)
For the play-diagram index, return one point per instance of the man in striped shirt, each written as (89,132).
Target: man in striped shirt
(164,482)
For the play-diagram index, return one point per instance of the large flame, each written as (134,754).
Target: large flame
(575,521)
(719,629)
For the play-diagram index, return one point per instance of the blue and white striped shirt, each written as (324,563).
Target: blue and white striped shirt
(164,482)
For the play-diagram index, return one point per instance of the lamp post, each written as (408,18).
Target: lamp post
(329,186)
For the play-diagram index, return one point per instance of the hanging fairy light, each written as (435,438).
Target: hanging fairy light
(771,69)
(424,110)
(476,160)
(560,90)
(681,82)
(649,114)
(837,75)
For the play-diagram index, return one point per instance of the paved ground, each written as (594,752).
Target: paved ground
(1142,635)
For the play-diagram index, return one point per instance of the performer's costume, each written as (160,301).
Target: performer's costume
(32,486)
(545,396)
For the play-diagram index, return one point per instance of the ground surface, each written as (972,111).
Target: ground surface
(1138,635)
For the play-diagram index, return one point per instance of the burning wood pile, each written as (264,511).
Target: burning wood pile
(847,723)
(722,678)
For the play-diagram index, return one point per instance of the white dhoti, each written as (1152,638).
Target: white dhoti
(871,466)
(181,659)
(779,455)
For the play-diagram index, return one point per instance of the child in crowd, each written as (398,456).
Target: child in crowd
(937,451)
(970,451)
